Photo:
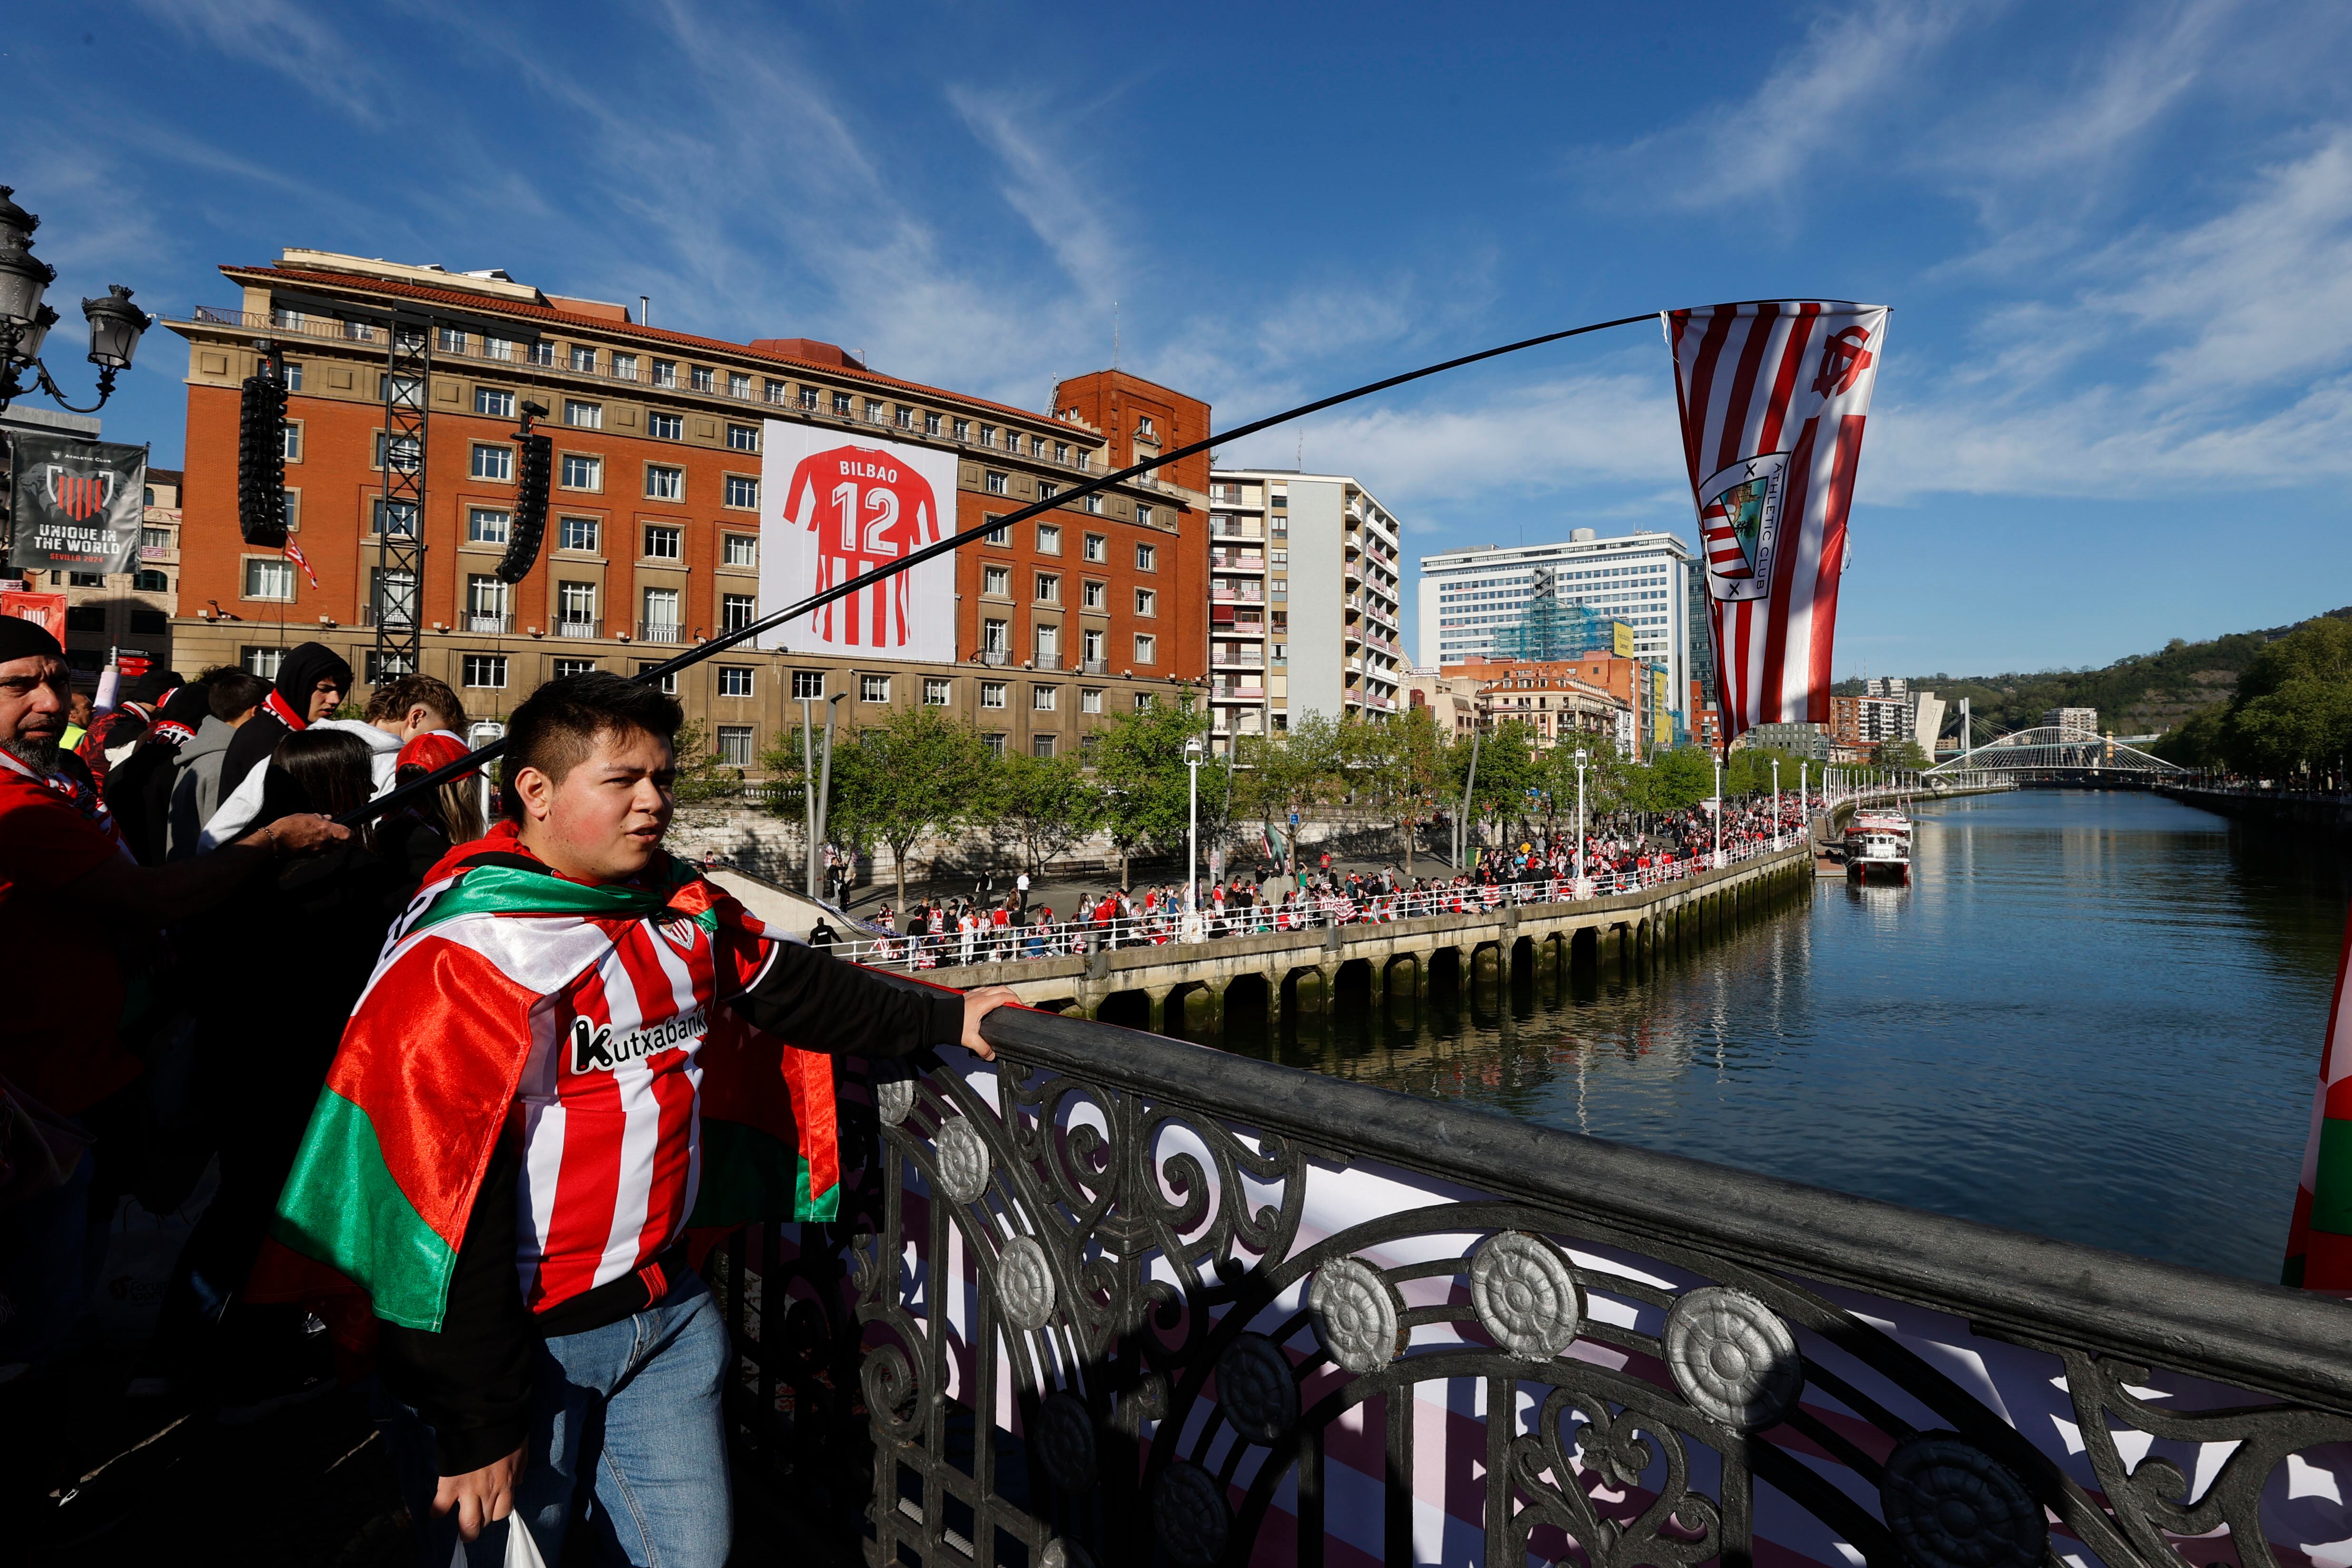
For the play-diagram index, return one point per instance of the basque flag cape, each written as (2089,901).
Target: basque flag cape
(397,1145)
(2319,1240)
(1774,394)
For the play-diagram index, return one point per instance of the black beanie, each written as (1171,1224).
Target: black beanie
(23,639)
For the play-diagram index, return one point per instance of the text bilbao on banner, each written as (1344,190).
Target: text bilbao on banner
(833,506)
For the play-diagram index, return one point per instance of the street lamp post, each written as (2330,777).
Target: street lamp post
(1718,810)
(1194,752)
(1776,802)
(1581,757)
(1803,815)
(115,324)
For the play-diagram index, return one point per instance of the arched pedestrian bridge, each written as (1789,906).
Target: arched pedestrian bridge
(2052,754)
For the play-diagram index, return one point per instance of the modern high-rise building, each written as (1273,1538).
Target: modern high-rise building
(1470,600)
(1303,602)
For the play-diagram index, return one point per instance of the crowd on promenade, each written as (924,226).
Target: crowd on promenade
(1619,857)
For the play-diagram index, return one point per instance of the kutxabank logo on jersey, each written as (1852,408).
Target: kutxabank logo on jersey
(1739,525)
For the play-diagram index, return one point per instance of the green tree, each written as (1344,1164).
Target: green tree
(1140,767)
(1278,774)
(1399,771)
(1681,779)
(915,775)
(1507,771)
(2293,710)
(1904,754)
(1046,804)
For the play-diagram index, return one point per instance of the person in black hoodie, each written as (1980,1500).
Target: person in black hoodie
(139,790)
(311,682)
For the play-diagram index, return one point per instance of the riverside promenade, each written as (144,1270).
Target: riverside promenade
(1268,975)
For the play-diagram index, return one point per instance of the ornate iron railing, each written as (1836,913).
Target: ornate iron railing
(1120,1298)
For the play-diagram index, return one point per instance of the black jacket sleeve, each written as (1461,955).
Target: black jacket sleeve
(806,996)
(471,1382)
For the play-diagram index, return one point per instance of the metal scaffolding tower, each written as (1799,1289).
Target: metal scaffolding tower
(395,598)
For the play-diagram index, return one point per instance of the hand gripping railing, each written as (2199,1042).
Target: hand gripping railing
(1120,1298)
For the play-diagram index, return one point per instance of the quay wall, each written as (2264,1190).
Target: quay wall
(2284,808)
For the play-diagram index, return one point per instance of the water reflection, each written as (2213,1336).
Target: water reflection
(2094,1016)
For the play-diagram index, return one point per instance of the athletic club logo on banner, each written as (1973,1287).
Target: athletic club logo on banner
(1774,394)
(81,497)
(833,508)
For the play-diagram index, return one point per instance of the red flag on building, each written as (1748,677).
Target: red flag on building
(2319,1240)
(1773,395)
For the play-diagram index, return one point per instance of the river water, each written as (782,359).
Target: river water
(2096,1016)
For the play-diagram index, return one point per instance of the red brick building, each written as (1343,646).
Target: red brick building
(653,530)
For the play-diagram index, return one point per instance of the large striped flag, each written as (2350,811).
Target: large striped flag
(1773,395)
(2319,1240)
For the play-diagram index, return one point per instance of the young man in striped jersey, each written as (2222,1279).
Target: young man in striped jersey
(573,1048)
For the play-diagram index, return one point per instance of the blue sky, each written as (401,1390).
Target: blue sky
(2117,401)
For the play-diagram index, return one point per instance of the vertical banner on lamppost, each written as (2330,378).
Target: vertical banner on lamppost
(834,505)
(75,506)
(1773,395)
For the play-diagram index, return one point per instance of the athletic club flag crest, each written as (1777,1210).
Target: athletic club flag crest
(1773,396)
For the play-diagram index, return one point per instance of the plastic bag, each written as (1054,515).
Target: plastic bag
(522,1552)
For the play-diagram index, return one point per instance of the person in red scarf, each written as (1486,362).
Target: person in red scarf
(311,681)
(573,1048)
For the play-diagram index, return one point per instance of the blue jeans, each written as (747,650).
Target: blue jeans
(635,1406)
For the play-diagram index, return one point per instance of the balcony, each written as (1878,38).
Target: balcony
(1094,667)
(660,631)
(486,625)
(577,628)
(1239,661)
(1236,593)
(993,656)
(399,616)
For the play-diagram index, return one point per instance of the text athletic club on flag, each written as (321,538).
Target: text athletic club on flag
(1774,394)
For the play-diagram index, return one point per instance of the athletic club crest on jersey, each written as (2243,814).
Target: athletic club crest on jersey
(1738,517)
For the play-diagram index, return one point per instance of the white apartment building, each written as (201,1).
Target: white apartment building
(1303,602)
(1649,580)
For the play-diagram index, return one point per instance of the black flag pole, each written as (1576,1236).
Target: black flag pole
(405,793)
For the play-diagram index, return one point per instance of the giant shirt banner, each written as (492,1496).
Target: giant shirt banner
(1773,396)
(76,504)
(834,505)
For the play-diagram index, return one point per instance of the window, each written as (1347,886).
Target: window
(1278,499)
(736,610)
(739,549)
(450,340)
(540,353)
(734,680)
(738,385)
(743,490)
(905,417)
(666,426)
(1147,558)
(1097,548)
(1090,699)
(664,482)
(996,580)
(293,377)
(564,667)
(668,684)
(1147,602)
(809,398)
(743,437)
(494,401)
(997,484)
(1048,489)
(268,578)
(1049,539)
(1090,644)
(293,441)
(1279,556)
(935,692)
(775,391)
(263,662)
(498,349)
(154,538)
(495,463)
(150,581)
(391,596)
(578,533)
(582,473)
(1143,515)
(988,435)
(661,610)
(486,603)
(585,416)
(1040,744)
(735,745)
(485,670)
(873,411)
(1049,588)
(992,694)
(583,358)
(575,604)
(1146,648)
(1094,504)
(841,404)
(1093,596)
(1061,452)
(961,429)
(932,424)
(625,366)
(1042,698)
(808,683)
(664,373)
(704,379)
(664,543)
(487,528)
(874,688)
(996,637)
(997,536)
(1143,701)
(995,744)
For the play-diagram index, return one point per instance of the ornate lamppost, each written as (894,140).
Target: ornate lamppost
(115,323)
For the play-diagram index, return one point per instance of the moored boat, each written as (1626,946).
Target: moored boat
(1878,844)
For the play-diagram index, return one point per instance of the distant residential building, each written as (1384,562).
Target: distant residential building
(1811,740)
(1893,686)
(1451,699)
(1706,721)
(2081,720)
(1559,708)
(1631,685)
(1472,600)
(1303,602)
